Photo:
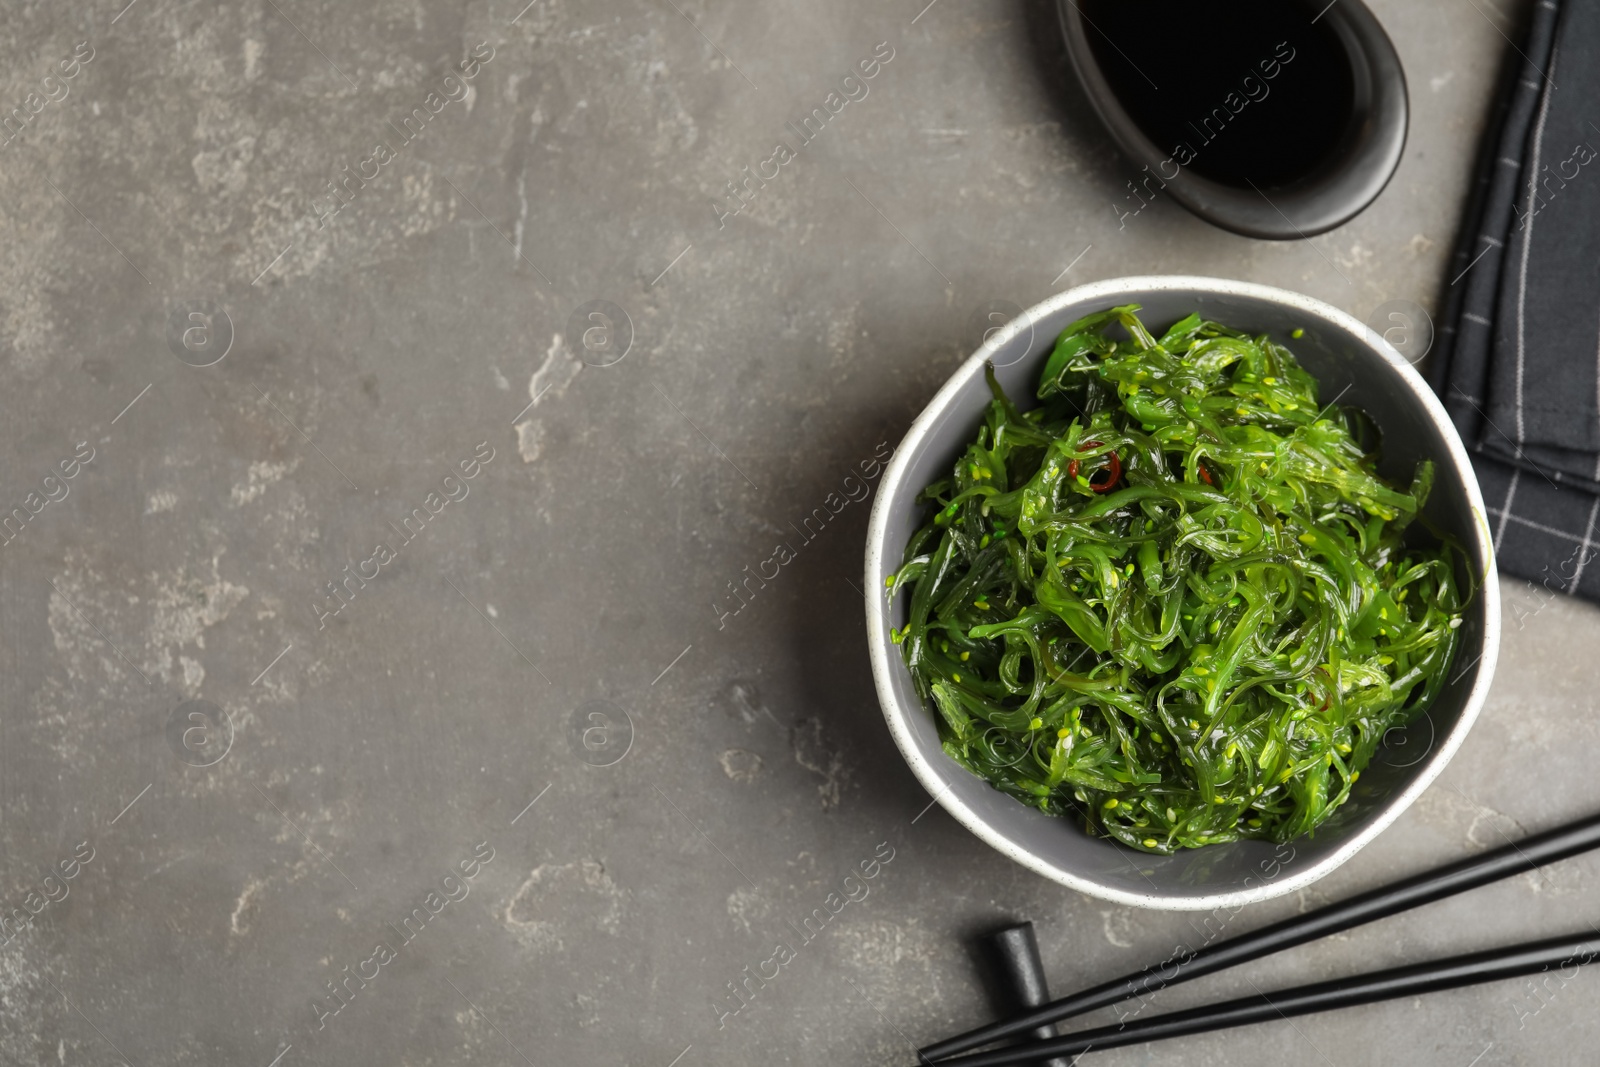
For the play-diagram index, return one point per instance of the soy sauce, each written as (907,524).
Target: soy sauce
(1238,91)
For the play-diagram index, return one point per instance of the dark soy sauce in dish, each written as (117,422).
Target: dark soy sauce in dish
(1237,91)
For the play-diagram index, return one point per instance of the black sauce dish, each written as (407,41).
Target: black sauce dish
(1274,119)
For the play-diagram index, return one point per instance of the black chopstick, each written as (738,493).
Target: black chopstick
(1515,858)
(1016,950)
(1489,966)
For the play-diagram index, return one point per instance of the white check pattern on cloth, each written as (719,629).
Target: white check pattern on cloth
(1510,348)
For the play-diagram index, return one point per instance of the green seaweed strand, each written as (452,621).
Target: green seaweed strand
(1174,599)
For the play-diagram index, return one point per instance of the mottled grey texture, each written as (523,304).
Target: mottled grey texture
(597,544)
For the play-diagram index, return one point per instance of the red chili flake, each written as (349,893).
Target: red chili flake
(1332,688)
(1205,474)
(1104,478)
(1113,473)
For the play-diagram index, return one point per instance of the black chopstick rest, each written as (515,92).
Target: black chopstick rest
(1488,966)
(1514,858)
(1021,970)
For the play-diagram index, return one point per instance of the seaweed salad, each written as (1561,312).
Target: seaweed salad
(1174,600)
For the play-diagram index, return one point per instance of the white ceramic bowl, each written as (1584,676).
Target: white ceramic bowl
(1347,358)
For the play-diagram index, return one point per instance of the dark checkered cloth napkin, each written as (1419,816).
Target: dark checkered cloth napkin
(1518,359)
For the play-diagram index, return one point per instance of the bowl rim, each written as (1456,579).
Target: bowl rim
(1123,290)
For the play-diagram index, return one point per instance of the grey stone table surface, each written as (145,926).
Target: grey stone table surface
(428,575)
